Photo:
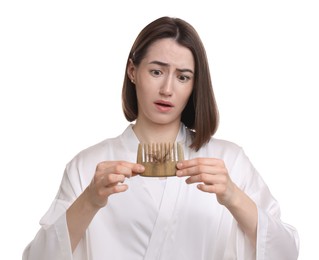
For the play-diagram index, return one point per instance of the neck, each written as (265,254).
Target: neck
(156,133)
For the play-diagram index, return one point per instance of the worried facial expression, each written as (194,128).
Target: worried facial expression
(164,82)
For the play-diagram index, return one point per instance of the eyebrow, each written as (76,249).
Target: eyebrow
(167,65)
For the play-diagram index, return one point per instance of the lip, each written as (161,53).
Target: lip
(163,105)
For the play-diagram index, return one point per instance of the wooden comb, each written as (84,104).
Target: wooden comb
(159,159)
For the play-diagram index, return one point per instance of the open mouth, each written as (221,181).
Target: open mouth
(164,103)
(163,106)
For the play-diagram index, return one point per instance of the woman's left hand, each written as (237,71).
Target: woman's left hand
(212,176)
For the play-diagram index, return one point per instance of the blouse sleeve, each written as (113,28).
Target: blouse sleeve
(275,239)
(52,241)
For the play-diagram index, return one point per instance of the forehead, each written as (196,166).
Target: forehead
(169,51)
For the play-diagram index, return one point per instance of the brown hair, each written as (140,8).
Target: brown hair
(200,114)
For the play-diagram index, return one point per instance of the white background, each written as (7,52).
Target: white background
(61,70)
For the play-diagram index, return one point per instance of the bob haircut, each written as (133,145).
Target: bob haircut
(200,114)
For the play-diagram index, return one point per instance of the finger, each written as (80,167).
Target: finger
(207,179)
(202,169)
(135,167)
(109,183)
(218,189)
(197,161)
(119,167)
(112,179)
(207,188)
(116,188)
(105,192)
(197,169)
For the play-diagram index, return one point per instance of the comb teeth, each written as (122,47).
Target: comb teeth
(159,152)
(159,159)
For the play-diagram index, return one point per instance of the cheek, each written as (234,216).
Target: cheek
(143,95)
(187,93)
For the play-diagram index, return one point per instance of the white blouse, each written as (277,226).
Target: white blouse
(163,219)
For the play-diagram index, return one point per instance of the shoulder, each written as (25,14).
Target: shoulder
(224,145)
(220,148)
(97,149)
(103,150)
(81,168)
(230,152)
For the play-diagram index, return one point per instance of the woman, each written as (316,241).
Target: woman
(216,207)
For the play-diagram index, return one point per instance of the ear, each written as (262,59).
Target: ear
(131,71)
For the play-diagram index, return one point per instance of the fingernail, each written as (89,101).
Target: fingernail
(179,173)
(141,168)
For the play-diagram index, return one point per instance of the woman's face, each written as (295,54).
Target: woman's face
(164,82)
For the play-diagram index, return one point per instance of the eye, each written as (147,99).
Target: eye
(156,73)
(184,78)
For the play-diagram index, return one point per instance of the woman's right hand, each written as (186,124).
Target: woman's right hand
(108,179)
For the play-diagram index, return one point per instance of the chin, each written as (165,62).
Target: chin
(167,122)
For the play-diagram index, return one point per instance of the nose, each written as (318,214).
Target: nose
(167,87)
